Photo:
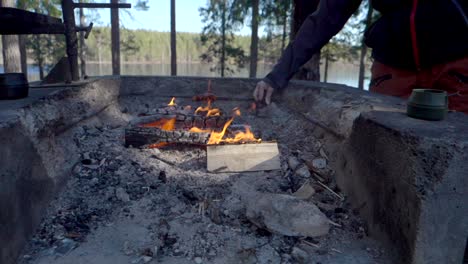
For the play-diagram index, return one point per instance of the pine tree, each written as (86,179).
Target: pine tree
(218,36)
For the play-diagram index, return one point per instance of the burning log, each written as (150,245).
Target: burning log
(143,137)
(148,131)
(184,120)
(205,126)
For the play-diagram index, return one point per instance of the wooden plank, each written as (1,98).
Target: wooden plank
(102,5)
(16,21)
(243,157)
(24,16)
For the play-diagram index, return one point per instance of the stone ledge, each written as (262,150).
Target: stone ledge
(36,155)
(410,178)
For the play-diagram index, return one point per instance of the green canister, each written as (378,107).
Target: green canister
(427,104)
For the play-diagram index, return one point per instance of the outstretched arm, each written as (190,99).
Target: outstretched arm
(314,33)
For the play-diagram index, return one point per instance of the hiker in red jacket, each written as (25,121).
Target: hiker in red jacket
(414,44)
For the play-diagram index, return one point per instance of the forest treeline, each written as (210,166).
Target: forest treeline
(218,44)
(146,46)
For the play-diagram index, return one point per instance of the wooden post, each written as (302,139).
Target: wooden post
(173,40)
(115,36)
(254,39)
(362,59)
(10,46)
(70,36)
(82,43)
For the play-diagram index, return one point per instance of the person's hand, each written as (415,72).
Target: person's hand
(263,92)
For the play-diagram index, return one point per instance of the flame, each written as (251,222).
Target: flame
(243,137)
(163,124)
(198,130)
(216,137)
(172,102)
(208,109)
(236,112)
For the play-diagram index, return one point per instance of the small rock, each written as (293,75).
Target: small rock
(299,255)
(287,215)
(303,172)
(293,162)
(198,260)
(147,259)
(122,195)
(319,163)
(94,181)
(66,245)
(86,156)
(305,192)
(177,252)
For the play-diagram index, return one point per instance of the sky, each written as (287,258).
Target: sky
(158,16)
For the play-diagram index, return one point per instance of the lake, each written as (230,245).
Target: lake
(338,72)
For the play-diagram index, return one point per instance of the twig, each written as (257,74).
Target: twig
(310,243)
(317,175)
(317,123)
(163,160)
(328,188)
(333,223)
(336,250)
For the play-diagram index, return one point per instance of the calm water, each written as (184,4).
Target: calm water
(343,73)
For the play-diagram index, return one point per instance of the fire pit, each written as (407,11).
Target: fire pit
(79,186)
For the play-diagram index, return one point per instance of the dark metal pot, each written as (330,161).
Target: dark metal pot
(13,86)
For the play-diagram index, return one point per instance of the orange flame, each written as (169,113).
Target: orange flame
(163,124)
(243,137)
(209,110)
(172,102)
(198,130)
(217,137)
